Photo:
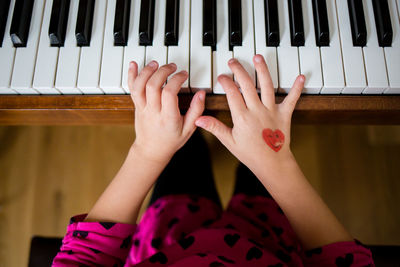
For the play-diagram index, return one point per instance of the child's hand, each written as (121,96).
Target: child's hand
(261,128)
(160,128)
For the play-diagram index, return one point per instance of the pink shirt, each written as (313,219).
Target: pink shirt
(193,231)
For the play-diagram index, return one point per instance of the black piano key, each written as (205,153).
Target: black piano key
(296,22)
(321,23)
(146,24)
(235,23)
(121,22)
(383,23)
(271,22)
(84,22)
(58,22)
(357,22)
(210,23)
(172,23)
(21,22)
(4,9)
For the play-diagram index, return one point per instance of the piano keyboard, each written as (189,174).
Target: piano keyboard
(85,46)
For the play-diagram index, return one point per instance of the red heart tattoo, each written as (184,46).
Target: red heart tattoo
(274,139)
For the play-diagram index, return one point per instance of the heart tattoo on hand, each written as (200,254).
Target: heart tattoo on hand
(274,139)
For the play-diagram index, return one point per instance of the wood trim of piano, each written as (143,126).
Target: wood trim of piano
(118,109)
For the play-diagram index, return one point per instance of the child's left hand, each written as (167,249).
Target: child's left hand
(160,128)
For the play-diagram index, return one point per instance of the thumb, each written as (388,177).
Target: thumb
(195,110)
(217,128)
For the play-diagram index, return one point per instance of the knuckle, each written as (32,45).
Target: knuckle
(240,119)
(212,127)
(249,86)
(147,71)
(167,92)
(288,109)
(174,81)
(172,116)
(133,85)
(134,93)
(130,84)
(292,102)
(149,86)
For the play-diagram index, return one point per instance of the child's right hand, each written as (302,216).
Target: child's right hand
(260,139)
(261,128)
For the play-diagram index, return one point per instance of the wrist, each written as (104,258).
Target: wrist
(150,156)
(270,157)
(269,163)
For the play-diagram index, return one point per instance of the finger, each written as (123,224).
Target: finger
(153,86)
(246,83)
(290,100)
(139,85)
(194,112)
(132,73)
(139,100)
(169,95)
(233,95)
(217,128)
(264,77)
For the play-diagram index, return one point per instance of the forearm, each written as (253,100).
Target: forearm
(311,219)
(122,199)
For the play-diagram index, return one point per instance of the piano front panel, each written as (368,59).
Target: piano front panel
(119,109)
(295,36)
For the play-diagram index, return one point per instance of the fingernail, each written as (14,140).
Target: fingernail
(232,60)
(258,58)
(184,72)
(200,123)
(153,64)
(173,64)
(201,96)
(131,65)
(302,78)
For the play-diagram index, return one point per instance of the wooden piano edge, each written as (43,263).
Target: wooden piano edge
(118,109)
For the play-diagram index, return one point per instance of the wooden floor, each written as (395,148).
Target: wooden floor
(49,173)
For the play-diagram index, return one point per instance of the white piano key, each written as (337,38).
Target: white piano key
(222,54)
(68,57)
(7,53)
(133,51)
(245,52)
(90,60)
(309,55)
(180,54)
(158,51)
(288,56)
(392,54)
(46,61)
(220,66)
(200,72)
(331,56)
(398,8)
(374,58)
(353,61)
(112,60)
(25,57)
(268,52)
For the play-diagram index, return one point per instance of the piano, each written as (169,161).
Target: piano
(66,61)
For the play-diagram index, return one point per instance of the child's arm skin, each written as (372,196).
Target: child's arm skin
(160,131)
(270,158)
